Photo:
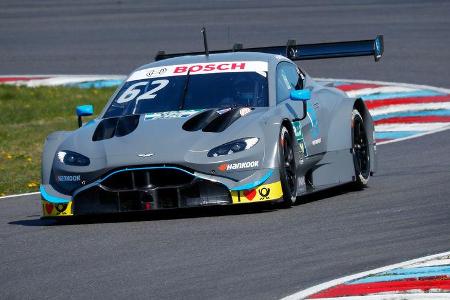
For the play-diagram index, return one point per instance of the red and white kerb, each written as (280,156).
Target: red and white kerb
(200,68)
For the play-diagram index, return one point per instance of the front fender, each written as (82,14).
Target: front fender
(52,143)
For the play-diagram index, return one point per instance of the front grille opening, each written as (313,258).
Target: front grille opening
(147,179)
(119,181)
(167,198)
(168,177)
(95,200)
(197,192)
(129,201)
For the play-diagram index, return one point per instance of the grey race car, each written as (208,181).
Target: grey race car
(214,128)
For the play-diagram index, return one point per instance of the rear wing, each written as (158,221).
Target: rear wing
(293,51)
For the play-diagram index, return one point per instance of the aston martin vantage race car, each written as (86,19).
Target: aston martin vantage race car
(213,128)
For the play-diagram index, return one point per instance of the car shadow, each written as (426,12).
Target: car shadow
(168,214)
(335,191)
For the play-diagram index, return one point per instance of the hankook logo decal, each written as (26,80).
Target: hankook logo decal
(237,166)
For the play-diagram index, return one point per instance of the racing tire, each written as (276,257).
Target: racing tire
(288,174)
(360,150)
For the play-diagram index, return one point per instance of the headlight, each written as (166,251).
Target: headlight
(233,147)
(73,158)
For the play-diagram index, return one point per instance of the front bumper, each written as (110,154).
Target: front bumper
(154,188)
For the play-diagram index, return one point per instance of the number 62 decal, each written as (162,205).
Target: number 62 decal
(133,91)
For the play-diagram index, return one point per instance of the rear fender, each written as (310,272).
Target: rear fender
(370,131)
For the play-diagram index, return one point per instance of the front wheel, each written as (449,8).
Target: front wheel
(288,172)
(360,150)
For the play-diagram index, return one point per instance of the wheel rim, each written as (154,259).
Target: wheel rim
(289,164)
(361,148)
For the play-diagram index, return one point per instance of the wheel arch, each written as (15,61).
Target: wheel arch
(367,117)
(370,131)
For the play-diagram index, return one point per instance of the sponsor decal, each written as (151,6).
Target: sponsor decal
(299,137)
(61,207)
(265,192)
(312,115)
(48,207)
(69,178)
(249,194)
(222,167)
(55,210)
(201,68)
(209,67)
(238,166)
(170,114)
(156,72)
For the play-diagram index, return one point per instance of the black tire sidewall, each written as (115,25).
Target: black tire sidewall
(289,197)
(361,180)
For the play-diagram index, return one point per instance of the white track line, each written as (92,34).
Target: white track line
(432,263)
(19,195)
(425,127)
(320,287)
(379,90)
(55,80)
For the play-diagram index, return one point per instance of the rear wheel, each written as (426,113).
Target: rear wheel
(360,150)
(288,174)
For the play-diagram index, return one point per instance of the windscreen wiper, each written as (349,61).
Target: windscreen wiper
(185,89)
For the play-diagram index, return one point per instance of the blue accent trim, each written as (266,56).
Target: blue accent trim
(395,134)
(98,84)
(254,184)
(400,274)
(50,198)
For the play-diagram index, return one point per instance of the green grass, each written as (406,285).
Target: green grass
(27,116)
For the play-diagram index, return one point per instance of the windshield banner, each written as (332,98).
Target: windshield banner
(200,68)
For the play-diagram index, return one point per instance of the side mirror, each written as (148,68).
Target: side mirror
(300,95)
(82,111)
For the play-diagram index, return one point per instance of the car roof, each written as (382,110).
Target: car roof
(231,56)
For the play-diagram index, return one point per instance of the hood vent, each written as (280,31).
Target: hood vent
(214,120)
(117,127)
(223,121)
(199,121)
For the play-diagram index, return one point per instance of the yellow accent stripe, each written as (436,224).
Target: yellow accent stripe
(265,192)
(56,209)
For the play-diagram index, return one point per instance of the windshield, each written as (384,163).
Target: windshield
(190,91)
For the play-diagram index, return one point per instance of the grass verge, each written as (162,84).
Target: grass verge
(27,116)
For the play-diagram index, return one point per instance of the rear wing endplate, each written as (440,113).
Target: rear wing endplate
(293,51)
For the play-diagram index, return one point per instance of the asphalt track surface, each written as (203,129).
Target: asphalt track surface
(236,253)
